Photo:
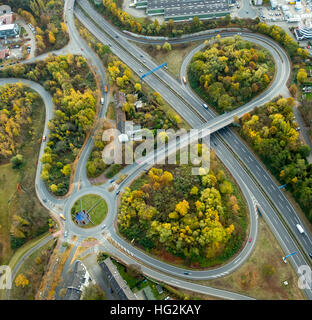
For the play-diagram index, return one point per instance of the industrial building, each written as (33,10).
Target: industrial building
(8,30)
(304,30)
(184,10)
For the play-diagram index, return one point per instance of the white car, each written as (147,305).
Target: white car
(66,234)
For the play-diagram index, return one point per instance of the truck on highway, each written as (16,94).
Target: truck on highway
(105,89)
(62,216)
(300,229)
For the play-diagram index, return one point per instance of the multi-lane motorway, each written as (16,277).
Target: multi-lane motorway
(185,102)
(254,181)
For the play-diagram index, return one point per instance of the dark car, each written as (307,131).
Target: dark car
(117,193)
(186,272)
(310,255)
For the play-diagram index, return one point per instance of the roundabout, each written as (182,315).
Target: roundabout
(102,220)
(89,211)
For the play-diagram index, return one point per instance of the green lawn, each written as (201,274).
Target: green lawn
(98,213)
(8,181)
(173,58)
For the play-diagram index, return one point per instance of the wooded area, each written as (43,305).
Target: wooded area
(271,130)
(72,84)
(230,72)
(201,219)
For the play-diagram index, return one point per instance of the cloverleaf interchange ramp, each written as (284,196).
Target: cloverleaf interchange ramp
(183,101)
(102,30)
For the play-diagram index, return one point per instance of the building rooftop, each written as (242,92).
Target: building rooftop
(117,283)
(7,26)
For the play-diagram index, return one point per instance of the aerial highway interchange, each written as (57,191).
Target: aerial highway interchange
(258,187)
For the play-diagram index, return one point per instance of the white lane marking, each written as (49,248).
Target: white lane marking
(258,167)
(265,177)
(274,219)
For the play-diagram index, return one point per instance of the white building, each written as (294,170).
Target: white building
(9,30)
(273,4)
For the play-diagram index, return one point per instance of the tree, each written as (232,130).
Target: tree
(182,207)
(21,281)
(293,90)
(167,46)
(195,23)
(17,161)
(137,87)
(66,170)
(53,188)
(302,75)
(194,191)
